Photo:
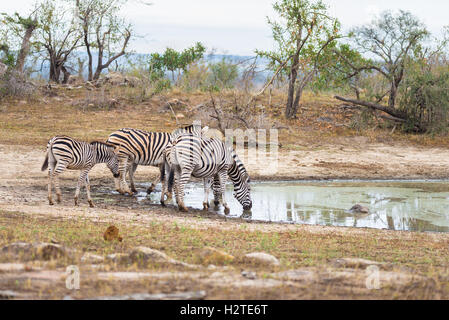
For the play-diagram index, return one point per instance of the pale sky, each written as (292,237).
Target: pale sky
(239,26)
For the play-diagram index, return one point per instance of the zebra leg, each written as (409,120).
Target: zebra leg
(183,178)
(81,181)
(216,191)
(132,169)
(51,168)
(207,185)
(89,199)
(123,186)
(60,168)
(223,177)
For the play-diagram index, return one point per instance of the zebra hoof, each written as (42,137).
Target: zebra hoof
(163,203)
(227,211)
(51,203)
(133,190)
(205,206)
(183,209)
(58,199)
(216,203)
(91,204)
(76,202)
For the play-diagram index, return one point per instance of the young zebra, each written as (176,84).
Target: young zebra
(66,153)
(210,159)
(144,148)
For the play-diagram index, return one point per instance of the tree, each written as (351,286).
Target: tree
(303,34)
(104,30)
(58,35)
(175,61)
(391,39)
(22,29)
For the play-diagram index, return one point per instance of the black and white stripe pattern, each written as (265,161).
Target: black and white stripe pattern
(139,147)
(211,160)
(66,153)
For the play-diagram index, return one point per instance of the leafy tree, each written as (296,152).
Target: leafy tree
(175,61)
(21,30)
(224,73)
(303,35)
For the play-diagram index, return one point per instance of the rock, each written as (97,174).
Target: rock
(19,249)
(355,263)
(12,267)
(189,295)
(8,294)
(3,69)
(49,251)
(359,209)
(297,275)
(112,233)
(249,275)
(75,80)
(27,251)
(214,256)
(92,258)
(180,116)
(119,258)
(144,255)
(261,258)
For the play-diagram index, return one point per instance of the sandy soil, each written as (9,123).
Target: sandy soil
(23,187)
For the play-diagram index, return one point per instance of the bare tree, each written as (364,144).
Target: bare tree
(104,30)
(58,35)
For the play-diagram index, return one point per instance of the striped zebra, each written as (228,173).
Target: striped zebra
(139,147)
(210,159)
(66,153)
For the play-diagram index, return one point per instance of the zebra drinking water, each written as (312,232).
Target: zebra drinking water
(210,159)
(66,153)
(144,148)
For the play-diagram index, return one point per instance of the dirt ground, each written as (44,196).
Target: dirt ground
(26,216)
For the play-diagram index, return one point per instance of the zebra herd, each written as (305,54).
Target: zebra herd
(184,153)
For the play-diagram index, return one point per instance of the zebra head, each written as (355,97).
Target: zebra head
(241,181)
(107,153)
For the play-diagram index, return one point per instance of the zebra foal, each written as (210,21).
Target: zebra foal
(64,153)
(211,160)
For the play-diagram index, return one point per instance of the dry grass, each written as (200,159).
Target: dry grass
(320,120)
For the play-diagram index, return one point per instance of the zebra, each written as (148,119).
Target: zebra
(210,159)
(139,147)
(64,153)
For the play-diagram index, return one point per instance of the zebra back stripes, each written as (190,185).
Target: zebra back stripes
(205,158)
(139,147)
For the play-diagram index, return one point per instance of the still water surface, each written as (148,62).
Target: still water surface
(396,205)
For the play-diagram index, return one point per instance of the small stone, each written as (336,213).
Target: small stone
(92,258)
(211,255)
(261,258)
(119,258)
(355,263)
(12,267)
(249,275)
(8,294)
(49,251)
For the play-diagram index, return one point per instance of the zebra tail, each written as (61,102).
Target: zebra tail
(45,164)
(171,178)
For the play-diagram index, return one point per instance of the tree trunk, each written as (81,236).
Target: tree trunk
(25,48)
(289,112)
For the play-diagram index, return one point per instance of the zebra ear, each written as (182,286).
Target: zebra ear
(204,130)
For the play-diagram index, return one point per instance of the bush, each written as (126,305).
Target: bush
(13,84)
(425,100)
